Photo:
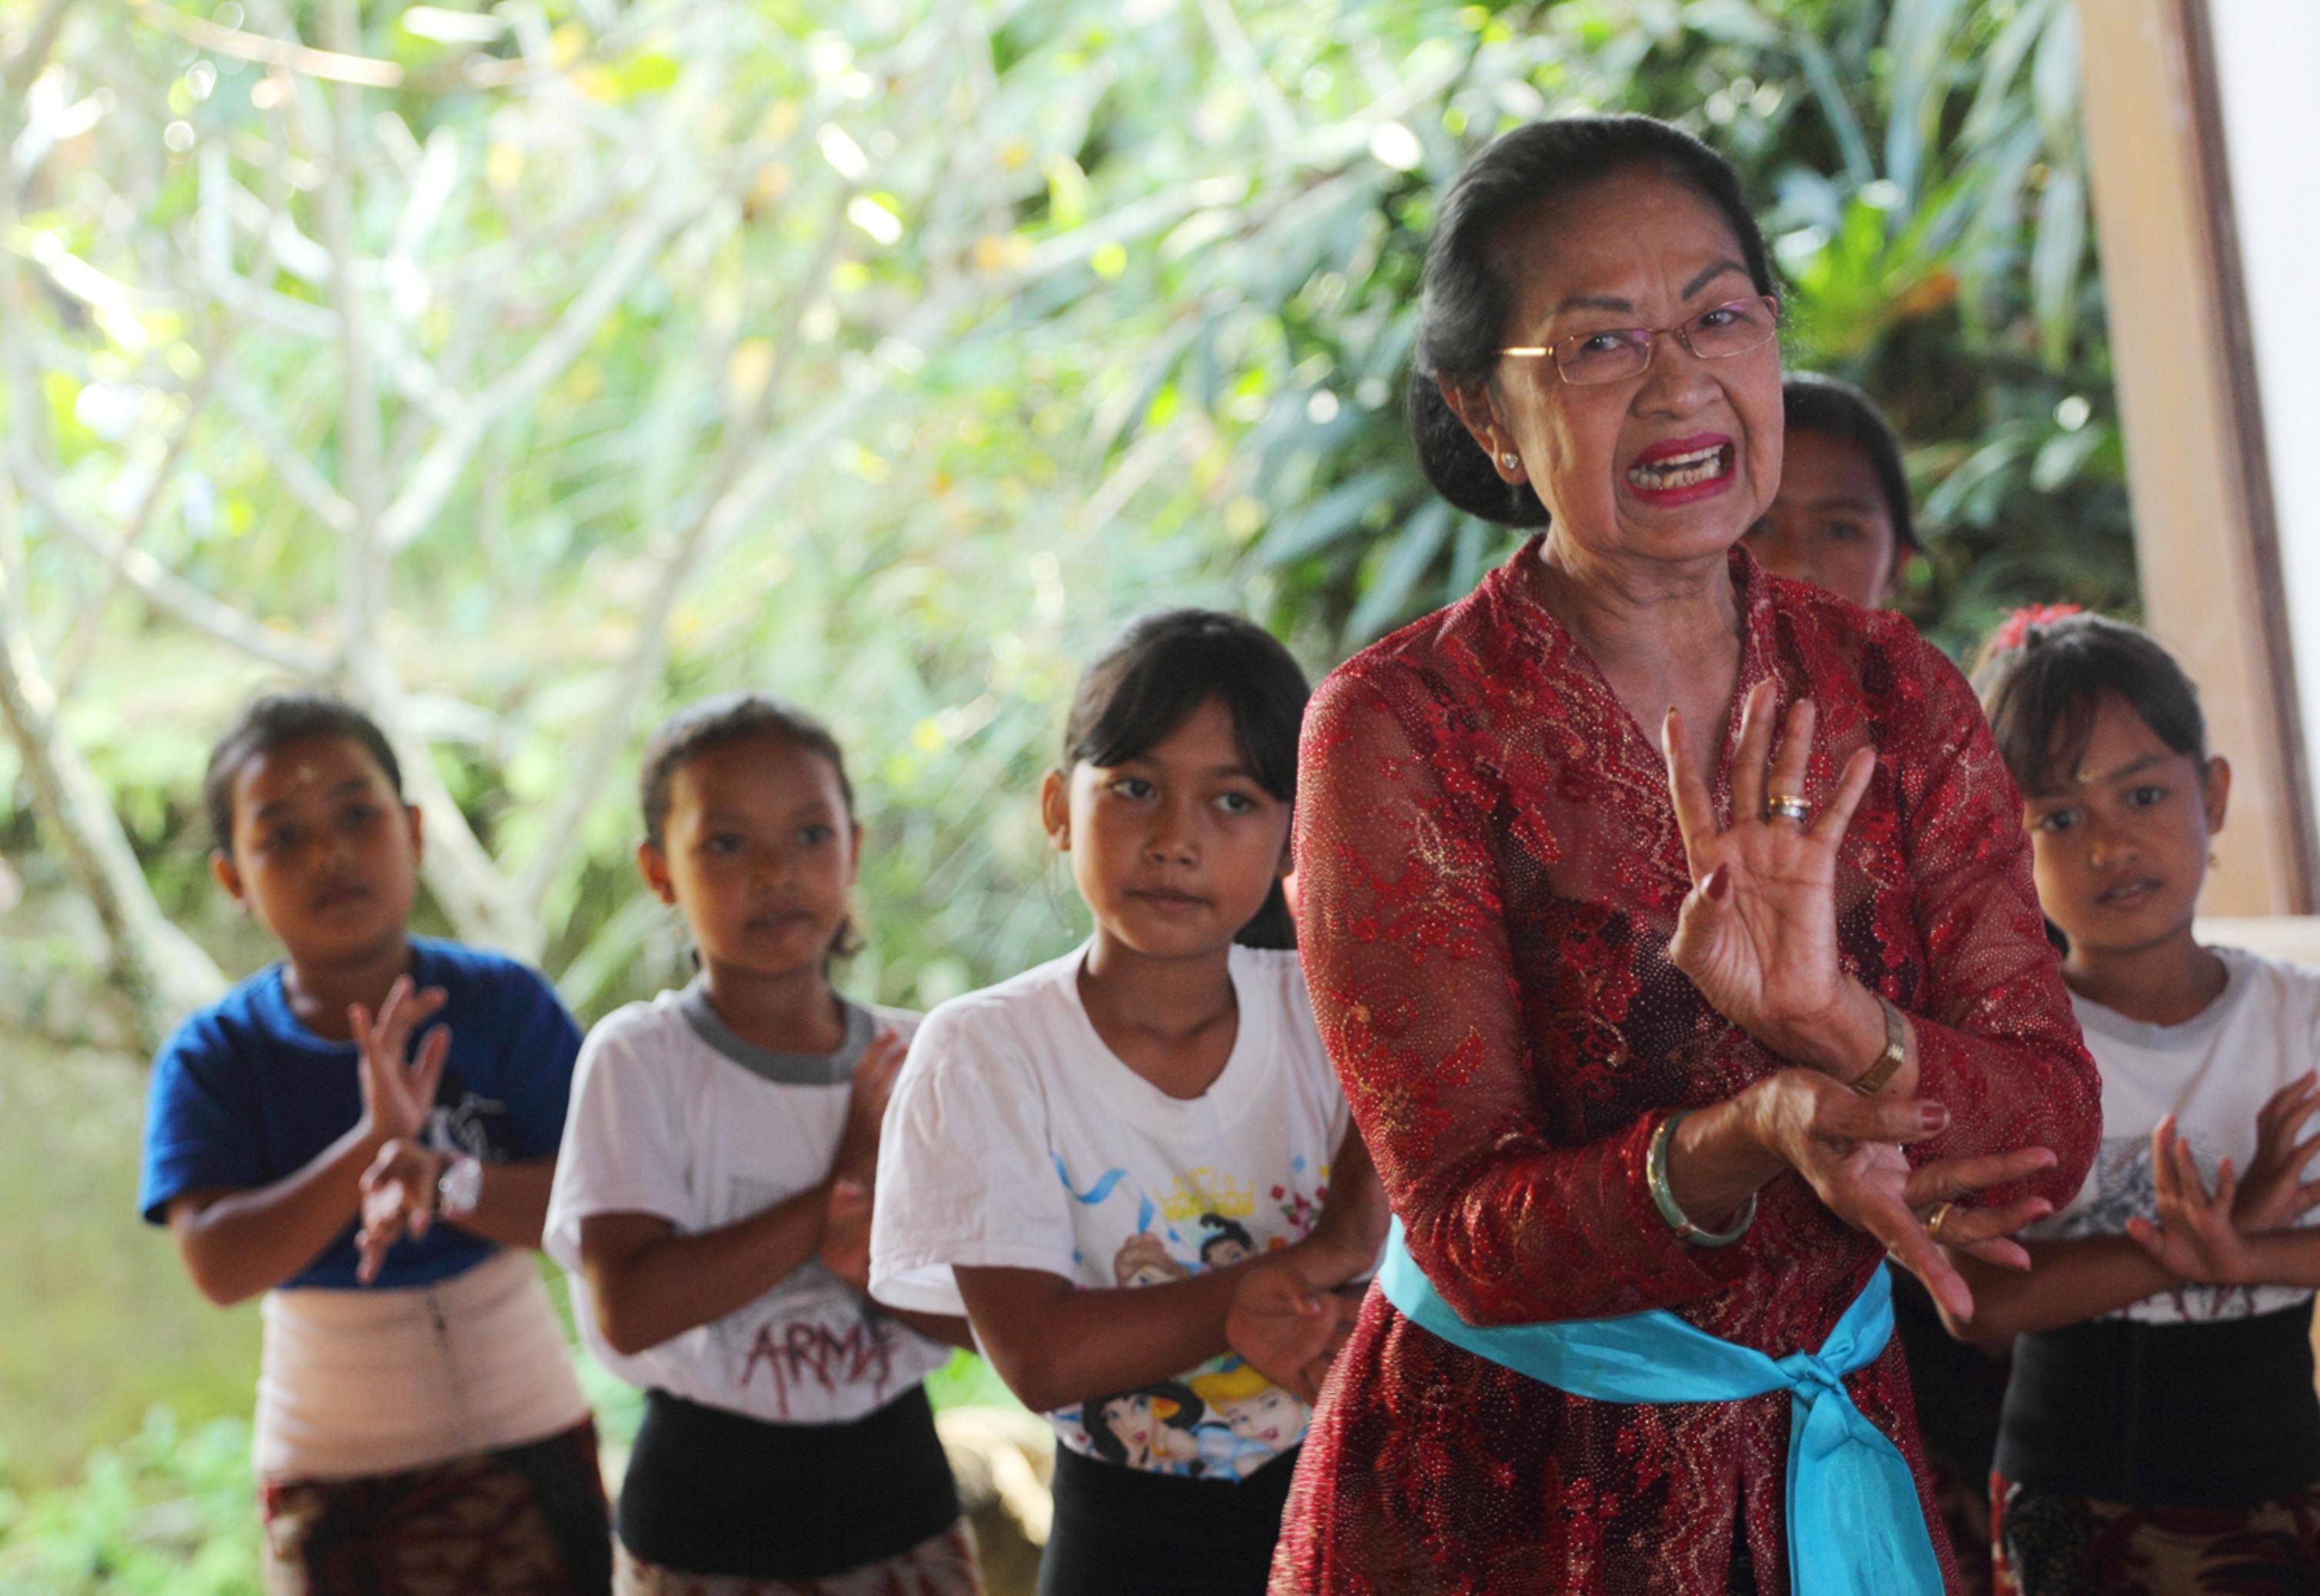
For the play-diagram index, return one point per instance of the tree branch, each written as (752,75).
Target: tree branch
(157,584)
(162,972)
(439,469)
(743,435)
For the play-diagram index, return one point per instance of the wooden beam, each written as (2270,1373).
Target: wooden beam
(2206,537)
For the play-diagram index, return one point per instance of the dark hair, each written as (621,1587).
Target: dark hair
(2041,680)
(1190,1410)
(1162,667)
(1812,403)
(1461,319)
(1224,1230)
(272,720)
(719,722)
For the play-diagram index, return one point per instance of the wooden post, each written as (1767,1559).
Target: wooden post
(2205,538)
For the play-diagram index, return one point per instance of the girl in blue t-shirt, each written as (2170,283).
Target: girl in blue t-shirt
(365,1132)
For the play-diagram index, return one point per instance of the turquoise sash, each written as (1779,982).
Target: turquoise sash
(1855,1524)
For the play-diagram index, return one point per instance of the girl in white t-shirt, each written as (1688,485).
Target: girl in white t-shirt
(1132,1161)
(711,1192)
(2160,1431)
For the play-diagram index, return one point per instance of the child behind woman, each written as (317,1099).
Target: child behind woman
(416,1406)
(2161,1432)
(1095,1157)
(787,1444)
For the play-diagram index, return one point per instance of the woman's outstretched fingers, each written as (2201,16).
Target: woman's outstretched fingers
(1946,1179)
(1751,753)
(1792,762)
(1695,810)
(1851,788)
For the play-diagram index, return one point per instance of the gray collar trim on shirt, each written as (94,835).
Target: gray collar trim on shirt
(783,1069)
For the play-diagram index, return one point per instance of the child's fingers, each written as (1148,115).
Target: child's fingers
(2163,1158)
(2186,1171)
(2228,1186)
(428,1072)
(2150,1238)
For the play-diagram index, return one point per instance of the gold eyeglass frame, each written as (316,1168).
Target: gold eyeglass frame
(1651,337)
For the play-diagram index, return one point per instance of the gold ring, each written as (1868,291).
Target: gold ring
(1938,1219)
(1788,806)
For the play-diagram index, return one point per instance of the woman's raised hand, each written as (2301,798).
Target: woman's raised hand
(1847,1148)
(1757,933)
(398,1088)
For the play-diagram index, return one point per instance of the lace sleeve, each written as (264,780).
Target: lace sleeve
(1996,1040)
(1406,952)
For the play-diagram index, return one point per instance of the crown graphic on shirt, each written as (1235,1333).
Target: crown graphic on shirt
(1207,1191)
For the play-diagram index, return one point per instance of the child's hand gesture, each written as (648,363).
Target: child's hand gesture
(2194,1237)
(875,1073)
(398,1198)
(398,1089)
(845,1234)
(2275,1192)
(1287,1329)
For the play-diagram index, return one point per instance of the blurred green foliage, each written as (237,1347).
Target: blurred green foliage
(980,327)
(884,355)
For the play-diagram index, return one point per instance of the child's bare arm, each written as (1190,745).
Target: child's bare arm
(950,1329)
(399,1197)
(239,1243)
(647,1283)
(2067,1282)
(236,1244)
(1055,1343)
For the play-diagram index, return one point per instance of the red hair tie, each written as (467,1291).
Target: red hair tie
(2014,632)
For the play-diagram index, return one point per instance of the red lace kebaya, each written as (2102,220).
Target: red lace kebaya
(1490,869)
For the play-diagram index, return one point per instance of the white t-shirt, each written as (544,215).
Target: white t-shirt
(2213,1072)
(675,1115)
(1016,1138)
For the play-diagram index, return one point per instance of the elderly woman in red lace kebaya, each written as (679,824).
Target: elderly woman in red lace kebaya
(1671,927)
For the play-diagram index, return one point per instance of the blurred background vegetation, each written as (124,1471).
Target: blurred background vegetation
(528,371)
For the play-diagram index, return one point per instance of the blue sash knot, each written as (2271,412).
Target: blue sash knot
(1855,1528)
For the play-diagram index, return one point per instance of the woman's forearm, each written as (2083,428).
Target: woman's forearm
(238,1244)
(1714,1163)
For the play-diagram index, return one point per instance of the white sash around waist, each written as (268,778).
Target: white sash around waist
(371,1380)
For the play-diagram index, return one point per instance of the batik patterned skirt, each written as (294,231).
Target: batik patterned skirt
(942,1565)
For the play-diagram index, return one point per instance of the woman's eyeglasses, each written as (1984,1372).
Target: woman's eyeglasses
(1718,333)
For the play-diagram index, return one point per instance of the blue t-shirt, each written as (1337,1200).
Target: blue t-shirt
(244,1094)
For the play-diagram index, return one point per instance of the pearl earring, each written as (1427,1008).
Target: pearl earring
(1510,460)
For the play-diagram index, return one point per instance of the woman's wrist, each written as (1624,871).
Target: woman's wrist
(1844,1040)
(1716,1161)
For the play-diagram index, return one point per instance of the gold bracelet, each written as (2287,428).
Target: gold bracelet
(1896,1054)
(1656,1179)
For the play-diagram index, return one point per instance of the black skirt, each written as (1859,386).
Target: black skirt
(713,1492)
(2215,1414)
(1121,1531)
